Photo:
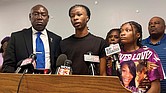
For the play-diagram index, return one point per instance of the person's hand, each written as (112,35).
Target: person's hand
(109,64)
(151,65)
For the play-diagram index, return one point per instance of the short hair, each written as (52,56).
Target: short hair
(85,7)
(39,5)
(158,18)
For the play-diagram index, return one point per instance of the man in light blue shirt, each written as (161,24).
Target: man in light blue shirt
(157,41)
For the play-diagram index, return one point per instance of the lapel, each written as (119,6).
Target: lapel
(28,40)
(50,40)
(51,45)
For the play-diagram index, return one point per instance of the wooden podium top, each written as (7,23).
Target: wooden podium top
(40,83)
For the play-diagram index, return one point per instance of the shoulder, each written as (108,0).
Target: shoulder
(51,34)
(145,48)
(21,32)
(146,40)
(164,38)
(164,35)
(148,53)
(96,37)
(98,40)
(70,38)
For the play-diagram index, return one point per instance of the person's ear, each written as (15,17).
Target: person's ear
(87,19)
(138,35)
(30,16)
(48,16)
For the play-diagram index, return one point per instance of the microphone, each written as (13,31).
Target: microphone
(92,59)
(113,51)
(60,60)
(66,68)
(28,64)
(63,65)
(68,63)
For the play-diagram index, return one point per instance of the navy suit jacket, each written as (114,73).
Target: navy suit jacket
(20,47)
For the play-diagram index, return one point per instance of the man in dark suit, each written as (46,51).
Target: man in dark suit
(23,43)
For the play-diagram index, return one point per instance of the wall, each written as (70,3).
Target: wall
(106,14)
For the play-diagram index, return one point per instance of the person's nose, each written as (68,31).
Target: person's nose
(76,17)
(152,25)
(122,33)
(112,38)
(39,16)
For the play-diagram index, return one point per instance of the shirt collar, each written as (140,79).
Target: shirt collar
(35,31)
(164,38)
(148,41)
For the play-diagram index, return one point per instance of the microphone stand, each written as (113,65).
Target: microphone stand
(33,56)
(115,65)
(92,65)
(24,72)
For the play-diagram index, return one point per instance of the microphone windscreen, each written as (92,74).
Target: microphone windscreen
(60,60)
(33,56)
(28,61)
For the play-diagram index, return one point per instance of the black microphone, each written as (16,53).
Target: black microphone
(66,69)
(115,65)
(60,60)
(92,59)
(68,63)
(113,51)
(27,64)
(63,65)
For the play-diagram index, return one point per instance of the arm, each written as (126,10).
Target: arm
(155,73)
(109,66)
(103,66)
(155,87)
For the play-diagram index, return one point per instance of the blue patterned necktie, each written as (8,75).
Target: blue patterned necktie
(40,53)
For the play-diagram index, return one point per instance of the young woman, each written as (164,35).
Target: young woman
(131,36)
(113,37)
(128,73)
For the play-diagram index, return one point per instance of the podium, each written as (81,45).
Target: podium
(41,83)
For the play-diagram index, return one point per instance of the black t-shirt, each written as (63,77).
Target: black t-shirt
(75,48)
